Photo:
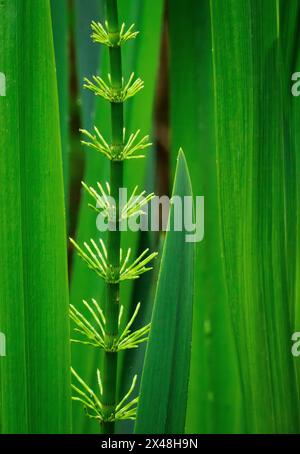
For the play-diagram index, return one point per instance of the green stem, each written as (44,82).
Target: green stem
(110,362)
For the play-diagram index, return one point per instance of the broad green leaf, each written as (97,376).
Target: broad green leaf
(251,167)
(214,399)
(35,377)
(164,387)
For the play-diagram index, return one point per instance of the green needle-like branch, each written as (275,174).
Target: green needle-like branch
(93,330)
(130,149)
(97,327)
(128,339)
(135,204)
(103,204)
(95,409)
(111,94)
(101,34)
(96,258)
(132,146)
(108,210)
(138,267)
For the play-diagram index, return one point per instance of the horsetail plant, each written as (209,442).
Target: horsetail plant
(109,262)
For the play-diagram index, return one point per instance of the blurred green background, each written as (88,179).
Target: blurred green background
(218,84)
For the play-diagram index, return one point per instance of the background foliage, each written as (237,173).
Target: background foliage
(218,84)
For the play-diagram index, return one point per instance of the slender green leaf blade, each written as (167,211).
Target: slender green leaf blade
(143,291)
(164,387)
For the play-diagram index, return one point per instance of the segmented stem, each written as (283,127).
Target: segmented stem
(112,305)
(109,261)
